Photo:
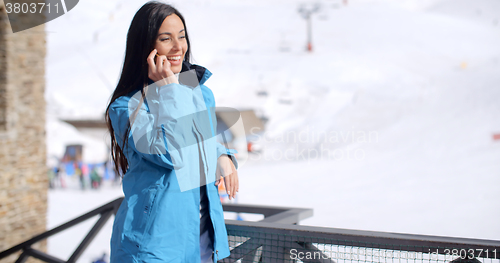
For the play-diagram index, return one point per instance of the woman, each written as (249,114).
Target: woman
(161,124)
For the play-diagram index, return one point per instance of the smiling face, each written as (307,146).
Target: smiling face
(171,41)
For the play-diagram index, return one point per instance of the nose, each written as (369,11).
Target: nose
(176,44)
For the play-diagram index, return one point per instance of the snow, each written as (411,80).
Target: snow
(406,93)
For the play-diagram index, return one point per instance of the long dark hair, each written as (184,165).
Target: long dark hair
(141,38)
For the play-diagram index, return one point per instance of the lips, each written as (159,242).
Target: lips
(174,60)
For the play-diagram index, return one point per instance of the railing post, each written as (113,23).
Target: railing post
(90,236)
(22,258)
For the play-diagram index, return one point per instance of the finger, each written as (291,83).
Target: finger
(233,185)
(237,182)
(159,64)
(227,181)
(217,176)
(166,68)
(234,178)
(230,189)
(150,60)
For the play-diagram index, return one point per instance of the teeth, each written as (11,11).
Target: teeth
(174,58)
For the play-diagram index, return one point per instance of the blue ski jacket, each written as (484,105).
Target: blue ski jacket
(172,139)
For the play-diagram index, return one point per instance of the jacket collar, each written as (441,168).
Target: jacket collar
(202,74)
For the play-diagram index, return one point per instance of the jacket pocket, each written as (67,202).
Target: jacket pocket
(148,204)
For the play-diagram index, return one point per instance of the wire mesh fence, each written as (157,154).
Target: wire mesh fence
(308,244)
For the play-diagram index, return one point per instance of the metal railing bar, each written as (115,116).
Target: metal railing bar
(113,205)
(116,204)
(243,249)
(255,256)
(292,216)
(265,210)
(90,236)
(43,256)
(23,257)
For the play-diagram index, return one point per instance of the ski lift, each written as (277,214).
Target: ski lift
(306,12)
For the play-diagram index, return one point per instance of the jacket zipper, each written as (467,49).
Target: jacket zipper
(202,146)
(212,129)
(216,258)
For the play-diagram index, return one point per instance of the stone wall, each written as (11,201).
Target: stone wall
(23,173)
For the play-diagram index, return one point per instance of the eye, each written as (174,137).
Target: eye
(183,37)
(163,39)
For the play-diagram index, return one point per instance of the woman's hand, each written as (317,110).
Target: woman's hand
(161,70)
(226,169)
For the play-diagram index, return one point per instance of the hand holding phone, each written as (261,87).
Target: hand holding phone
(160,71)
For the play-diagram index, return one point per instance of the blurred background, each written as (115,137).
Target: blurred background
(380,115)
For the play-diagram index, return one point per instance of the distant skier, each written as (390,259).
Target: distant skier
(95,179)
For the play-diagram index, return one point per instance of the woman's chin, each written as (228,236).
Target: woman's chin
(176,69)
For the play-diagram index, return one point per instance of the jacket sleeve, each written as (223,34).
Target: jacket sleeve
(230,152)
(157,135)
(220,148)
